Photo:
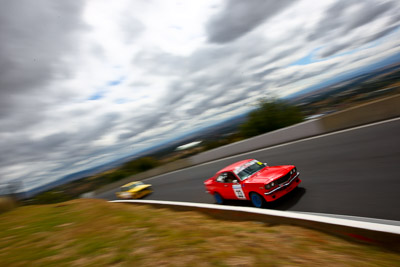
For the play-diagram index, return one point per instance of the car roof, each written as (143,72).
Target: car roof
(233,166)
(131,183)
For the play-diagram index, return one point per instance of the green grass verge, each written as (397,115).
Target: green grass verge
(98,233)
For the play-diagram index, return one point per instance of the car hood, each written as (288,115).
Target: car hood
(269,174)
(138,188)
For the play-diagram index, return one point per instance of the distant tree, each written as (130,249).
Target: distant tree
(140,165)
(115,176)
(215,143)
(270,115)
(50,197)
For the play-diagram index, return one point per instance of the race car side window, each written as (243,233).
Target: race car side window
(226,177)
(221,177)
(230,178)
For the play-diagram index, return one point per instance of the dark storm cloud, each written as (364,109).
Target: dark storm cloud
(206,58)
(201,72)
(22,148)
(34,35)
(64,145)
(205,104)
(333,19)
(334,49)
(99,126)
(272,57)
(38,40)
(264,73)
(176,93)
(229,90)
(68,149)
(180,94)
(141,125)
(337,17)
(77,145)
(207,74)
(347,15)
(367,13)
(381,34)
(208,86)
(212,77)
(240,17)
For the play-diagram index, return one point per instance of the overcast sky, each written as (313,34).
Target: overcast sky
(86,82)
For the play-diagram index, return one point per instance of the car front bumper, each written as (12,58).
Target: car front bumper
(283,189)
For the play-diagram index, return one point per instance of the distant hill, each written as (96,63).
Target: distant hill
(378,75)
(383,66)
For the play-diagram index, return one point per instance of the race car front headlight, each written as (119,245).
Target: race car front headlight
(270,185)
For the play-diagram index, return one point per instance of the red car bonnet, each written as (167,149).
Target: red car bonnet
(268,174)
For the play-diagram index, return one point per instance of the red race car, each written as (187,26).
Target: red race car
(252,180)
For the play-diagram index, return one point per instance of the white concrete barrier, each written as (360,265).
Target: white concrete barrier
(367,232)
(374,111)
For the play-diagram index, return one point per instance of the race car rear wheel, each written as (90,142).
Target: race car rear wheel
(218,198)
(257,200)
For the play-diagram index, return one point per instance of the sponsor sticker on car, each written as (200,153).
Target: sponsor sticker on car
(237,188)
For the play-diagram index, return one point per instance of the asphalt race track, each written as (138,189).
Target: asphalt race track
(354,172)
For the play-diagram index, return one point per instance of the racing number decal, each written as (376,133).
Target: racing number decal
(237,188)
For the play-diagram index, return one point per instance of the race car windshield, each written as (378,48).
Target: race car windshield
(248,171)
(129,187)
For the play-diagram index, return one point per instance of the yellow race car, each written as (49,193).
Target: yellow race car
(134,190)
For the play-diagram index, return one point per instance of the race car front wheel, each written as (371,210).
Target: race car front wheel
(218,198)
(257,200)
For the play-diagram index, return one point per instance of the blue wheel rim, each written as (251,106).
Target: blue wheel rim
(256,199)
(218,198)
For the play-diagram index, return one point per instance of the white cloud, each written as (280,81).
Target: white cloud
(102,79)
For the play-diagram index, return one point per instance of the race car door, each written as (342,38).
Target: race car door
(229,187)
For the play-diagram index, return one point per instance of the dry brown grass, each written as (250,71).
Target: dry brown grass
(98,233)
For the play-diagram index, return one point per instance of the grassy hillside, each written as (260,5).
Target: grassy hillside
(98,233)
